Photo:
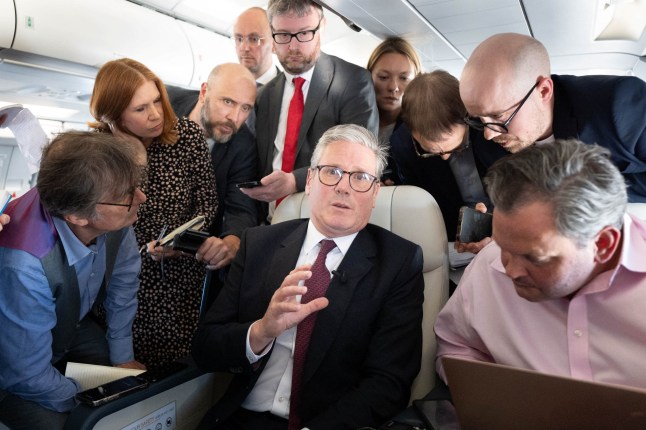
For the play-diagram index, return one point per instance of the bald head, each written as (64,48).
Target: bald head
(507,64)
(501,72)
(225,101)
(253,25)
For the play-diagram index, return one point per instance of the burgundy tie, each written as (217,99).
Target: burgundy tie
(316,287)
(294,116)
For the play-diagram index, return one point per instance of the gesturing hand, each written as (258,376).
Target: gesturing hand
(285,310)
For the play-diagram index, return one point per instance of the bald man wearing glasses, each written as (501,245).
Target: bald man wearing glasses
(513,99)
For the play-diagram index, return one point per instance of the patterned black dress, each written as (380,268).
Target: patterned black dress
(181,185)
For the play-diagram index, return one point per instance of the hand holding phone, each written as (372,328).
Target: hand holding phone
(473,225)
(249,184)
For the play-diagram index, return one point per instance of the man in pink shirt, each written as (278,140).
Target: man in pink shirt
(562,289)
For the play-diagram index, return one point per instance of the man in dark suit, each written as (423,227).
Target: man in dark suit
(335,92)
(607,110)
(220,108)
(365,347)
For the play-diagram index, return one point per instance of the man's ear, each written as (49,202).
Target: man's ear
(76,220)
(607,244)
(307,181)
(203,89)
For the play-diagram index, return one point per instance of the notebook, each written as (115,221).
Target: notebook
(491,396)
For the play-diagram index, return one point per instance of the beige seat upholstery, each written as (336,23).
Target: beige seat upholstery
(413,214)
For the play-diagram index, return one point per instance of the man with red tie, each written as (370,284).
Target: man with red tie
(315,92)
(320,319)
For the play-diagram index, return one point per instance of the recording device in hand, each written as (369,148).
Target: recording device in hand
(189,241)
(111,391)
(473,225)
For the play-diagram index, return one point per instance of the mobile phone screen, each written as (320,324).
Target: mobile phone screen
(249,184)
(111,391)
(473,225)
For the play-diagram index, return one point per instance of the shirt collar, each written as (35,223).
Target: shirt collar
(75,250)
(307,75)
(268,75)
(313,237)
(633,248)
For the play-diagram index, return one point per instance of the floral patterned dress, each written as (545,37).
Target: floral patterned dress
(181,185)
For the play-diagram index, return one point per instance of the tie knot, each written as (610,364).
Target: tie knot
(298,83)
(326,246)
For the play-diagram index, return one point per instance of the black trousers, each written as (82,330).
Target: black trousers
(244,419)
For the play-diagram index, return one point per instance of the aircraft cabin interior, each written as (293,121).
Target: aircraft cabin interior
(51,51)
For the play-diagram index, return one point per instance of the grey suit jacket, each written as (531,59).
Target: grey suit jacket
(339,93)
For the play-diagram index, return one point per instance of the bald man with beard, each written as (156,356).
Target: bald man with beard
(220,108)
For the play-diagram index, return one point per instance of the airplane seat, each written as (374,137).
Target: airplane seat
(637,209)
(413,214)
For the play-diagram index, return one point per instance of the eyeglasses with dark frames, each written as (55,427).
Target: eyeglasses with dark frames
(421,153)
(125,205)
(252,40)
(498,127)
(142,185)
(361,182)
(301,36)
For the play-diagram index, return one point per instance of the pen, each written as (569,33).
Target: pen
(157,242)
(161,235)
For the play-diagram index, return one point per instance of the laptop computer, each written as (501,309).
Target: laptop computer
(490,396)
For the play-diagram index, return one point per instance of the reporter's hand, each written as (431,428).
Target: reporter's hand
(159,252)
(284,310)
(274,186)
(134,364)
(3,117)
(4,220)
(473,247)
(216,252)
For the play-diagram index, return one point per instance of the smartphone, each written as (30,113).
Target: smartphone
(5,196)
(473,225)
(111,391)
(249,184)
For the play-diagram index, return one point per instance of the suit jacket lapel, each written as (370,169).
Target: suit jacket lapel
(321,81)
(275,88)
(358,261)
(284,260)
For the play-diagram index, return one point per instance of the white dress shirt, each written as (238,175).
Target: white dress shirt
(273,388)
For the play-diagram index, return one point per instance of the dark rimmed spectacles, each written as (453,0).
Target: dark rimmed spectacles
(125,205)
(252,40)
(301,36)
(361,182)
(142,185)
(421,153)
(498,127)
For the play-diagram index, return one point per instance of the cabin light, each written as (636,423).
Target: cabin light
(620,20)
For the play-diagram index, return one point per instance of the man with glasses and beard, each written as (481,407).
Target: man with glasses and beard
(511,96)
(220,108)
(315,92)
